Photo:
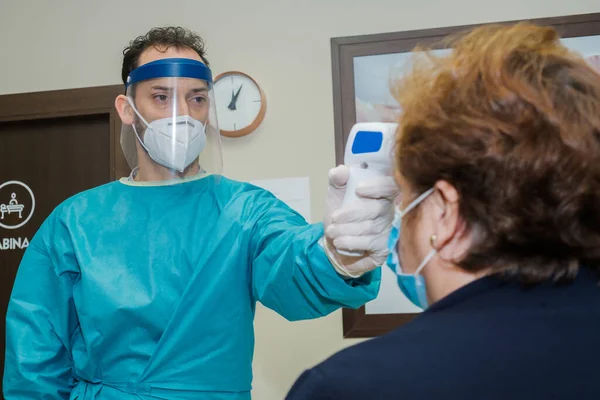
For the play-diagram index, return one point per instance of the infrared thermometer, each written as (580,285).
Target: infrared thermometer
(369,154)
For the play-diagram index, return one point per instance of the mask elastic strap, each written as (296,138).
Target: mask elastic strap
(416,201)
(204,125)
(136,111)
(433,252)
(425,261)
(133,126)
(139,139)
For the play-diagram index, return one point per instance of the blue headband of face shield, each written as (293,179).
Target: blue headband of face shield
(411,285)
(170,67)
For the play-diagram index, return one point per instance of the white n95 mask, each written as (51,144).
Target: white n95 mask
(174,143)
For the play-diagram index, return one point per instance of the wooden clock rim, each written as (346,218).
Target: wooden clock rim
(261,113)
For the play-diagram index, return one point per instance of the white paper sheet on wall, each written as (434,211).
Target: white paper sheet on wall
(295,192)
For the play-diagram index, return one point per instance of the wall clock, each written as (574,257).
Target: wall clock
(241,103)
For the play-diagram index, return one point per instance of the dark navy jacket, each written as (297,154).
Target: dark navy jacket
(491,339)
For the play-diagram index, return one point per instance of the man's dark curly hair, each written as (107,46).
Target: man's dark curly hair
(163,38)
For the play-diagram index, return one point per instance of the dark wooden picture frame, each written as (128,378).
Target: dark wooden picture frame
(357,323)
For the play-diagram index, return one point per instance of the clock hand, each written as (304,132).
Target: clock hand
(231,105)
(237,95)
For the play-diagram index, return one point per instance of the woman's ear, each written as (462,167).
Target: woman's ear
(125,110)
(449,227)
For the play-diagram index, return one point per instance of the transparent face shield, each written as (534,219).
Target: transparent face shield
(173,119)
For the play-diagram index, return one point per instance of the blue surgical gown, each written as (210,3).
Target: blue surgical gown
(130,292)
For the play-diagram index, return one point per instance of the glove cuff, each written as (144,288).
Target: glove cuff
(337,265)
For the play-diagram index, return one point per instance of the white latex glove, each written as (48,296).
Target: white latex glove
(362,226)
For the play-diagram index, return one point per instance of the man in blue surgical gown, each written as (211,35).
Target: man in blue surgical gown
(146,287)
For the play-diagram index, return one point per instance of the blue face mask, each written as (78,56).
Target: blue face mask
(411,285)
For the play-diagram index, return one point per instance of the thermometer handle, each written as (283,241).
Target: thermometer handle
(357,176)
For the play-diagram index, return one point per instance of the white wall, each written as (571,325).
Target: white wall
(284,44)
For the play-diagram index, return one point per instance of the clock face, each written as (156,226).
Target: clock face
(239,102)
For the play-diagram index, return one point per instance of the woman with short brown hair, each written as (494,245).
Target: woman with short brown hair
(498,161)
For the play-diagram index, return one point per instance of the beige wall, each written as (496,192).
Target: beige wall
(284,44)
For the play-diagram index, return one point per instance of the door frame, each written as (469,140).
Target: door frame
(78,102)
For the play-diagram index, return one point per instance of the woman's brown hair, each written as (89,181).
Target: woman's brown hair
(511,118)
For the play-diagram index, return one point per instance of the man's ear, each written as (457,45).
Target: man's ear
(125,110)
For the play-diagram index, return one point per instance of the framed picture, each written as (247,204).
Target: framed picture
(363,68)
